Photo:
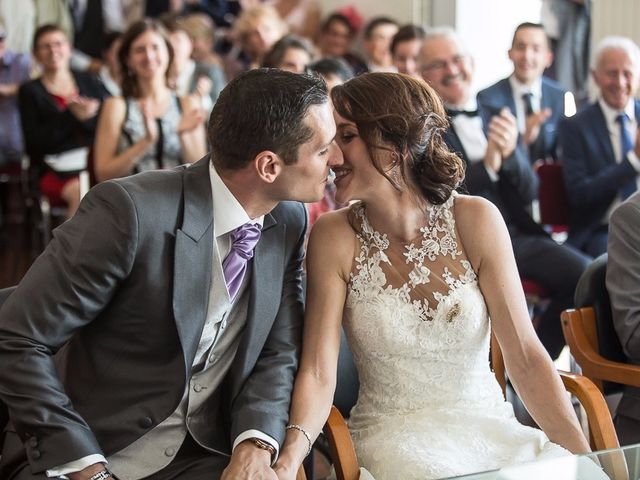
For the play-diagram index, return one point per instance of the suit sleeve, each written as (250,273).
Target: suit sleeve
(586,189)
(623,276)
(517,172)
(264,401)
(66,289)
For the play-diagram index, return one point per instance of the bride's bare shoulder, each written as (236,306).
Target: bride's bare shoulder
(333,233)
(478,221)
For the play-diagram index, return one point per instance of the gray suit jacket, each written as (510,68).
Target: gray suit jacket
(102,331)
(623,284)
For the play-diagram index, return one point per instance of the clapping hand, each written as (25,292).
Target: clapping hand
(502,139)
(84,108)
(190,120)
(533,123)
(204,86)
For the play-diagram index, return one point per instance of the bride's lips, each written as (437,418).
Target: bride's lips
(340,174)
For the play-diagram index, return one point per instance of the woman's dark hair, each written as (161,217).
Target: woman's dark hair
(332,66)
(397,112)
(44,30)
(130,86)
(263,109)
(273,58)
(407,33)
(339,18)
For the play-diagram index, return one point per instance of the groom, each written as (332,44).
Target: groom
(158,334)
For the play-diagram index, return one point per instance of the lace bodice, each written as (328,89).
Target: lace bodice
(417,326)
(416,321)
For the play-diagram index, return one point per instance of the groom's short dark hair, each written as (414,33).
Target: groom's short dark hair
(263,109)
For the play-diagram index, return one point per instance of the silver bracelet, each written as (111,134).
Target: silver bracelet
(101,475)
(304,432)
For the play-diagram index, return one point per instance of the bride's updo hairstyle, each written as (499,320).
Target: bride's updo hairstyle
(397,112)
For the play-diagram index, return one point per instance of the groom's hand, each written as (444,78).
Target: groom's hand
(248,462)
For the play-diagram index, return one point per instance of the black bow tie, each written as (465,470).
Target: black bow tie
(469,113)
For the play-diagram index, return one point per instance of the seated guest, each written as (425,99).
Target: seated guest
(598,147)
(160,331)
(536,101)
(59,113)
(150,127)
(290,53)
(257,29)
(189,76)
(336,38)
(201,30)
(14,70)
(499,170)
(378,34)
(334,71)
(623,284)
(405,49)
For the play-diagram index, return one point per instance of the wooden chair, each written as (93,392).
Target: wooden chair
(601,431)
(591,336)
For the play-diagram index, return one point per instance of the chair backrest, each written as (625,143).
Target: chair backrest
(347,383)
(552,196)
(591,291)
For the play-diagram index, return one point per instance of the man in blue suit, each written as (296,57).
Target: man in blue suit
(599,146)
(498,169)
(537,102)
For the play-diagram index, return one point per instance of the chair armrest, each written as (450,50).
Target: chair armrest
(601,428)
(301,475)
(592,363)
(341,447)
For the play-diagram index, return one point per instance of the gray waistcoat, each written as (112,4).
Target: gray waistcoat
(216,351)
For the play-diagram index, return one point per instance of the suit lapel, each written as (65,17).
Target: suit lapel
(601,132)
(192,261)
(265,291)
(507,96)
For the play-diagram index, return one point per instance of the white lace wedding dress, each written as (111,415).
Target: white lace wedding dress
(417,325)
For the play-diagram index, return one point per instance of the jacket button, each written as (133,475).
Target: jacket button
(145,422)
(33,442)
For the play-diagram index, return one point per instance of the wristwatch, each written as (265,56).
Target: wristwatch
(263,445)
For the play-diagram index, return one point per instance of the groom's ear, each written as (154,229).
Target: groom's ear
(268,166)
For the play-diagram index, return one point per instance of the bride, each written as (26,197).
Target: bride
(418,275)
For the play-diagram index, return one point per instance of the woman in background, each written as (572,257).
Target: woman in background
(59,112)
(149,127)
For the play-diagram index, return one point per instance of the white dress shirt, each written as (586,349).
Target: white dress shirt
(520,89)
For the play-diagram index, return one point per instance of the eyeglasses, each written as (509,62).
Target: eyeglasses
(457,60)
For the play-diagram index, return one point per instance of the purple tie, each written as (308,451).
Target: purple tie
(244,239)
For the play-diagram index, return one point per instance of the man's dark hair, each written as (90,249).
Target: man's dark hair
(263,109)
(407,33)
(524,25)
(375,23)
(332,66)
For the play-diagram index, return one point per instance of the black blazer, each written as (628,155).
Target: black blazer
(47,130)
(516,188)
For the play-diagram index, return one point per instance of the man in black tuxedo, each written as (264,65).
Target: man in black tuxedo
(499,170)
(159,332)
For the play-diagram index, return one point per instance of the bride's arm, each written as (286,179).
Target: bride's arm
(329,256)
(530,368)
